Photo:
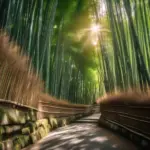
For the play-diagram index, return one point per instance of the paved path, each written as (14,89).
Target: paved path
(83,135)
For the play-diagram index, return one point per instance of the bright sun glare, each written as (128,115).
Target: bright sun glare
(95,28)
(95,42)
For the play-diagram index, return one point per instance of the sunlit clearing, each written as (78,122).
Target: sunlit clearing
(94,34)
(95,28)
(102,8)
(95,42)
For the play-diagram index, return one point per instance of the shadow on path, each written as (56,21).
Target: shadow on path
(84,136)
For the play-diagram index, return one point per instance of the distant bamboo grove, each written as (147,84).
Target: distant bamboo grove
(39,27)
(126,50)
(46,30)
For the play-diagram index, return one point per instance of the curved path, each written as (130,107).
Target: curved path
(83,135)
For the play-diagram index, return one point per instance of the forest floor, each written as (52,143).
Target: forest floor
(84,134)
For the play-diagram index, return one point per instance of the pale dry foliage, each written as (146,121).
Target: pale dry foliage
(134,96)
(48,98)
(18,82)
(52,100)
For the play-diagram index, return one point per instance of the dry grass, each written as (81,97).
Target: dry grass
(18,82)
(132,97)
(48,98)
(55,101)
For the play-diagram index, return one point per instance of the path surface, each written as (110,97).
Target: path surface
(83,135)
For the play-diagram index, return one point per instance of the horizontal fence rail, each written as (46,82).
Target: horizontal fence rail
(131,120)
(62,109)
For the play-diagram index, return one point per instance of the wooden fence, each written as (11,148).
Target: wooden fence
(130,119)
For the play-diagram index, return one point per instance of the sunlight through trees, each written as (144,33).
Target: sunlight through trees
(83,48)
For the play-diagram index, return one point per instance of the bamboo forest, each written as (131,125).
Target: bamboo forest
(83,48)
(61,57)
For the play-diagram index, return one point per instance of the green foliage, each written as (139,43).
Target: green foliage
(57,36)
(48,31)
(125,50)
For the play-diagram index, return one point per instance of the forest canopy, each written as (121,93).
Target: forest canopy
(83,48)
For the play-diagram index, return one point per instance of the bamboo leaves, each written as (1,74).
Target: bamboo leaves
(129,25)
(42,27)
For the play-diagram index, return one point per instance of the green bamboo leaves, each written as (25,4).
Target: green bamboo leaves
(42,27)
(129,24)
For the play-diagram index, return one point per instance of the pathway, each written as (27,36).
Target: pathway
(85,134)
